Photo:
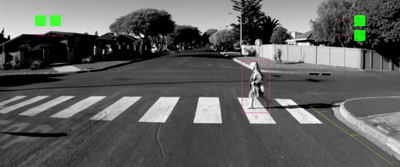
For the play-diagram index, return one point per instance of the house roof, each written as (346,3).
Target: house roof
(119,37)
(305,35)
(22,36)
(108,36)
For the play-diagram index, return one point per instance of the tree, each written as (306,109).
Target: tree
(255,24)
(267,27)
(206,35)
(144,23)
(184,35)
(382,26)
(279,36)
(328,26)
(225,38)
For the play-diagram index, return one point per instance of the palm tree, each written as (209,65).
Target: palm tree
(267,26)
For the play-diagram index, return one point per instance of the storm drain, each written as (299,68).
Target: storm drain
(320,73)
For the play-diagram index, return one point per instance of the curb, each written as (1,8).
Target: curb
(74,72)
(287,72)
(381,137)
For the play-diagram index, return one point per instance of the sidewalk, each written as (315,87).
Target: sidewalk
(377,117)
(77,68)
(305,68)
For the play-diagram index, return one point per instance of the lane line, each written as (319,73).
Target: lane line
(78,107)
(36,110)
(22,104)
(300,114)
(258,115)
(115,109)
(208,111)
(352,136)
(3,103)
(160,111)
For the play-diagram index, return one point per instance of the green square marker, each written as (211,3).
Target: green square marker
(359,20)
(55,20)
(40,20)
(359,35)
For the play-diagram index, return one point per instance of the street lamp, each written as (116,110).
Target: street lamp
(241,33)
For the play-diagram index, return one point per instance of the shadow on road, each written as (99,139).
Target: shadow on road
(308,106)
(18,80)
(35,134)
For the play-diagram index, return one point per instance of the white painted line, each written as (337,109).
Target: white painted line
(258,115)
(300,114)
(78,107)
(22,104)
(208,111)
(3,103)
(115,109)
(160,111)
(46,106)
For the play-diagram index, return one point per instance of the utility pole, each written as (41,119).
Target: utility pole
(241,32)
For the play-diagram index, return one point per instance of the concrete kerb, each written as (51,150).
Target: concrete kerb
(383,138)
(74,72)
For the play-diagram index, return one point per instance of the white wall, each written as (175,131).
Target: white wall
(333,56)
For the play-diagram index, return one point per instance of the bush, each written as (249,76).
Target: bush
(87,60)
(6,66)
(36,64)
(251,51)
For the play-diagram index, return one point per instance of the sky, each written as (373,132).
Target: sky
(18,16)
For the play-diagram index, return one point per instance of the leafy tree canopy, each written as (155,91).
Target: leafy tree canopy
(255,24)
(280,35)
(144,23)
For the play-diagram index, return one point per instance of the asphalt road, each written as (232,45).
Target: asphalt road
(182,110)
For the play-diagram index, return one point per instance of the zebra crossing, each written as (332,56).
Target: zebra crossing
(208,109)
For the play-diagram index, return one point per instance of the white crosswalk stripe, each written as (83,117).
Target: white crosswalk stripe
(208,111)
(300,114)
(22,104)
(46,106)
(160,111)
(258,115)
(3,103)
(78,107)
(115,109)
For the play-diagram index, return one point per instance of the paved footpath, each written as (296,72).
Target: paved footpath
(376,117)
(272,66)
(77,68)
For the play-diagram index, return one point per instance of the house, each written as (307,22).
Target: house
(66,47)
(294,34)
(116,45)
(306,39)
(53,47)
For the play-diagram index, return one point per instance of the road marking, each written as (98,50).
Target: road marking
(300,114)
(17,126)
(258,115)
(350,135)
(208,111)
(78,107)
(22,104)
(4,122)
(3,103)
(355,135)
(115,109)
(160,111)
(46,106)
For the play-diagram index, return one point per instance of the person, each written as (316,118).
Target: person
(255,82)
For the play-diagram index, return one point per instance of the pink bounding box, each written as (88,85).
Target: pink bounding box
(269,85)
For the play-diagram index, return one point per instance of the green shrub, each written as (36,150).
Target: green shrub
(36,64)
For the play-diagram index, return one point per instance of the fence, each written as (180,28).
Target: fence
(332,56)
